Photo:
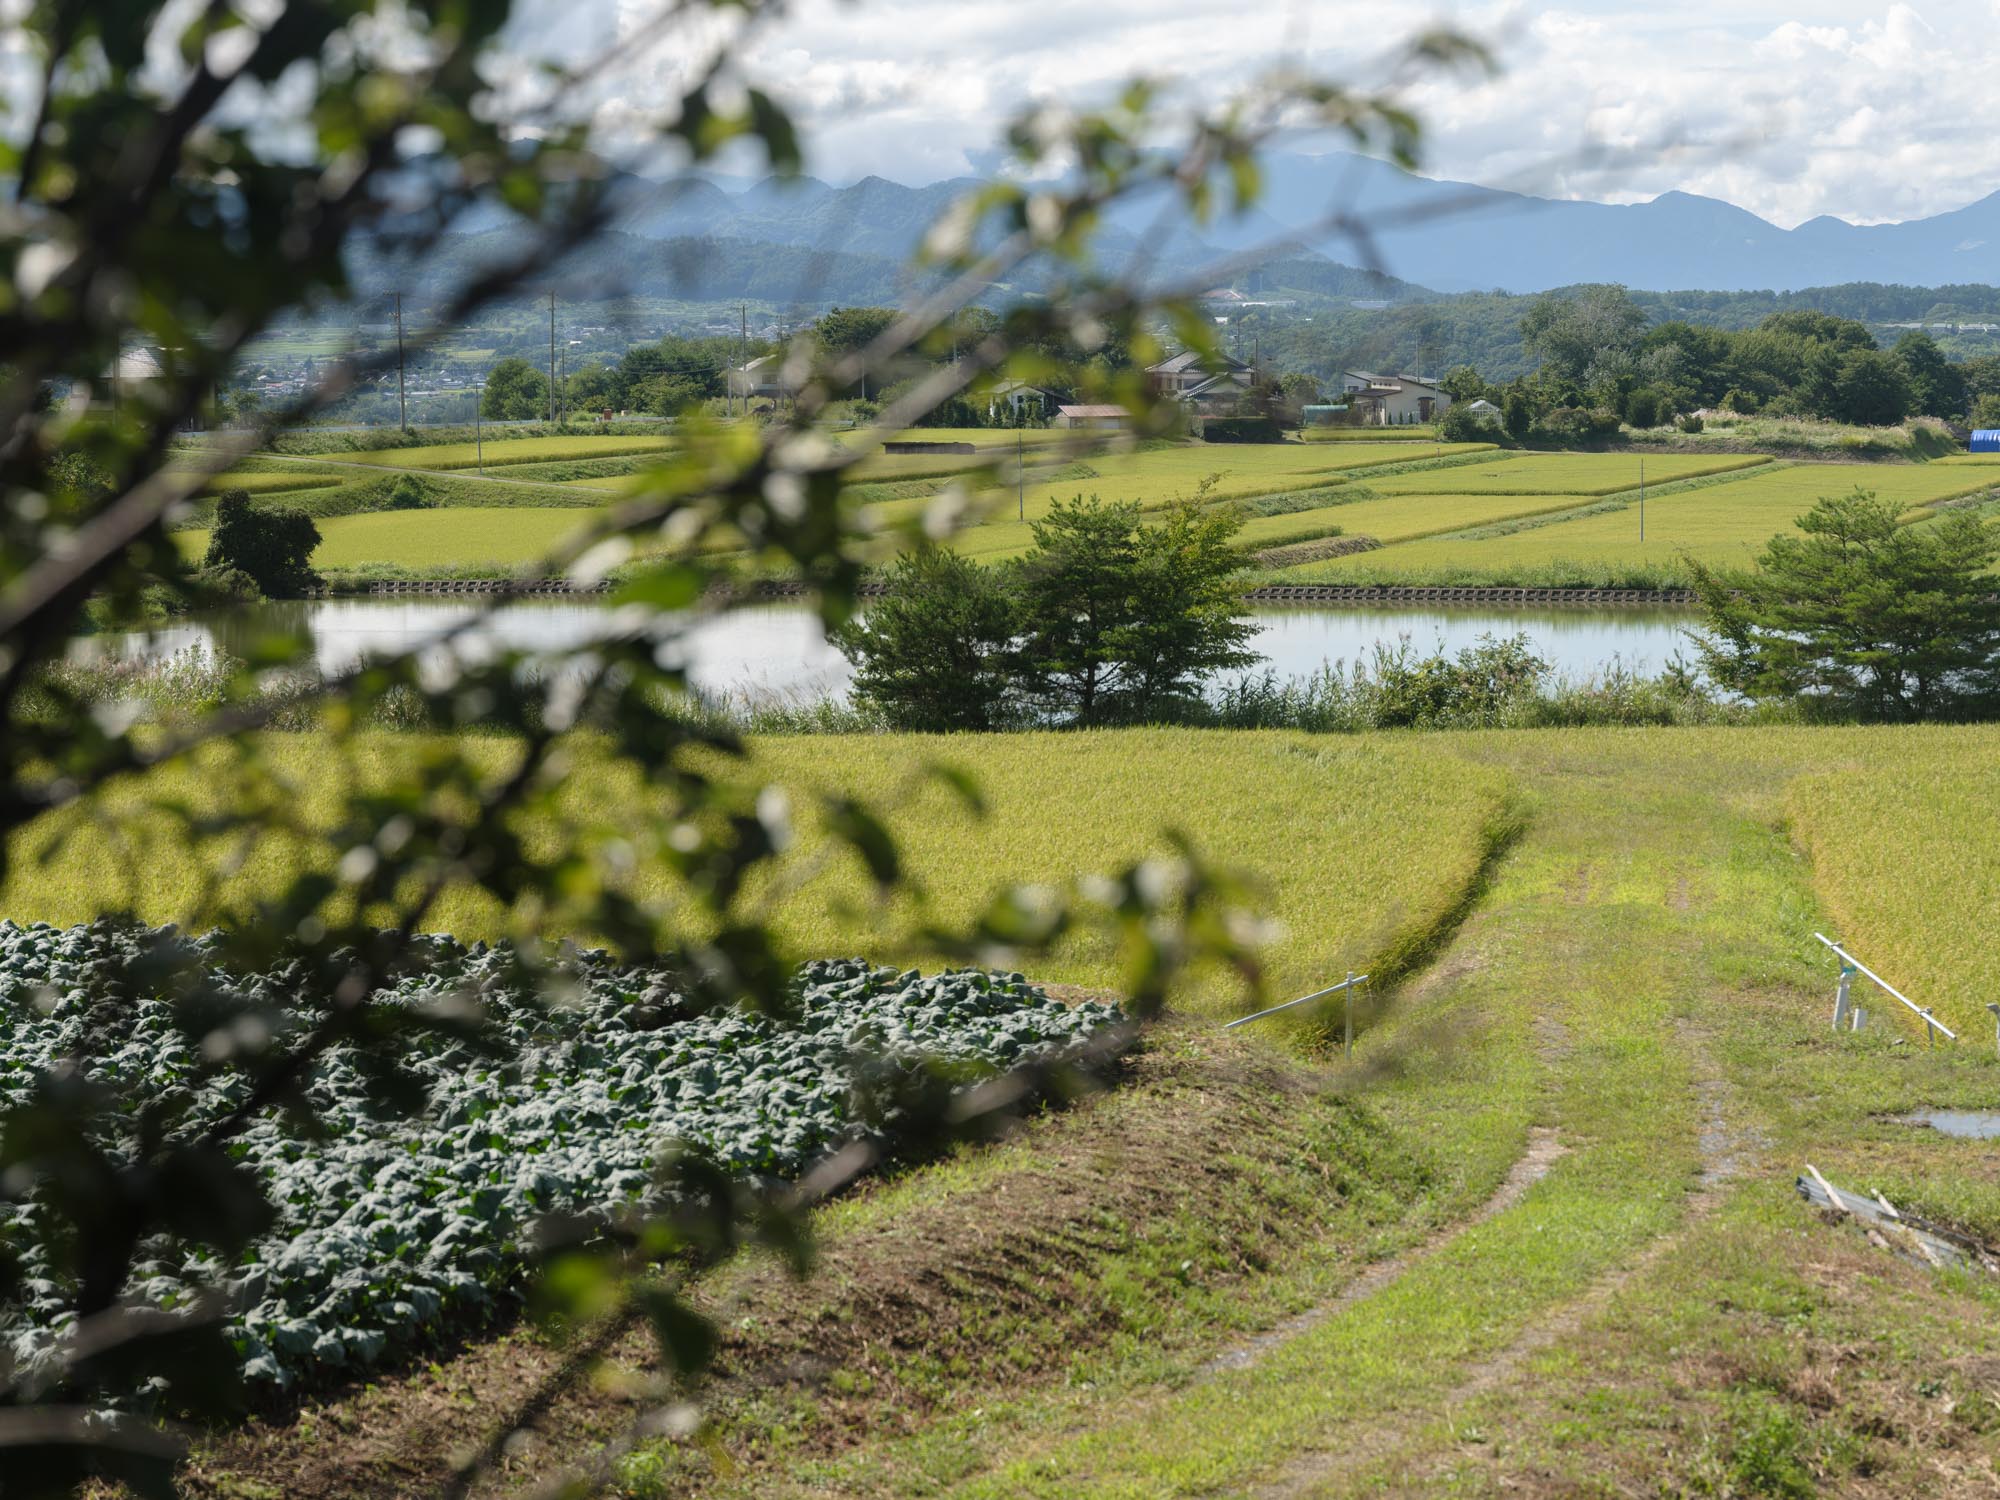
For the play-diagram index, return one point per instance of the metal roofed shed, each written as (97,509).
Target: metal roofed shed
(1984,440)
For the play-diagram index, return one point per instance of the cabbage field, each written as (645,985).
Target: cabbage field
(391,1230)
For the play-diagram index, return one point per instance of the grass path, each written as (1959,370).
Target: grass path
(1636,986)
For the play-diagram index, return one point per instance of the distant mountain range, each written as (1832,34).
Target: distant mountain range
(1449,236)
(804,243)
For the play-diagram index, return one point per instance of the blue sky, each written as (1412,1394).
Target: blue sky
(1870,111)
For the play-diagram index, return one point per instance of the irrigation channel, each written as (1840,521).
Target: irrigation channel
(777,651)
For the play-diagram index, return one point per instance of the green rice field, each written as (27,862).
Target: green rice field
(1061,805)
(1725,523)
(1567,473)
(499,452)
(506,536)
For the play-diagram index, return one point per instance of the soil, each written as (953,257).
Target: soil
(841,1353)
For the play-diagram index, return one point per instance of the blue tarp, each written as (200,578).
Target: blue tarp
(1986,440)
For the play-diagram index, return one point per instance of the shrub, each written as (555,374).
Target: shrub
(1690,423)
(1577,424)
(1242,430)
(410,492)
(932,653)
(274,547)
(1460,424)
(1862,614)
(226,585)
(1642,407)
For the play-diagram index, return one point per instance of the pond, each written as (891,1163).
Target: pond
(778,650)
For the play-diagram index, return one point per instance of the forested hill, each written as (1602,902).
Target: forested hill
(1483,329)
(615,265)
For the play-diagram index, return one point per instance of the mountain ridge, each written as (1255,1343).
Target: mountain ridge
(1447,235)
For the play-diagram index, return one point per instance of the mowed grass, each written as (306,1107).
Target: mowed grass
(1567,473)
(1905,854)
(1723,524)
(499,452)
(1060,806)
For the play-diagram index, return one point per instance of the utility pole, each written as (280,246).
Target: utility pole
(402,398)
(1020,475)
(1642,498)
(552,359)
(743,350)
(479,427)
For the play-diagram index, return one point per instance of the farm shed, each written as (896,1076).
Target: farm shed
(1985,440)
(1112,417)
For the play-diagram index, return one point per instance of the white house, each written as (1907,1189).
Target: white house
(1392,400)
(1017,395)
(763,377)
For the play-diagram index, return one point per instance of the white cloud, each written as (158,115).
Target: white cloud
(1870,111)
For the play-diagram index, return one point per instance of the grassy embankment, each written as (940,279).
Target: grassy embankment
(1621,1054)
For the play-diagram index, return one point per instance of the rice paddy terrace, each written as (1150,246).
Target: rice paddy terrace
(1408,512)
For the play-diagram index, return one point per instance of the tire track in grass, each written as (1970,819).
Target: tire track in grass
(1724,1145)
(1545,1148)
(1583,995)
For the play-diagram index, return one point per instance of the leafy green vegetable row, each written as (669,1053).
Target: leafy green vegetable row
(392,1228)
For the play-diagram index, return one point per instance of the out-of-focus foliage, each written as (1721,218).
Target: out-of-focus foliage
(181,178)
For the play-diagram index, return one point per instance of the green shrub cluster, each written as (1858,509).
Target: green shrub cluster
(389,1237)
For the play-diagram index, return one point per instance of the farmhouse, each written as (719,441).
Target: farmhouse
(1108,418)
(1206,385)
(1016,396)
(1392,400)
(763,377)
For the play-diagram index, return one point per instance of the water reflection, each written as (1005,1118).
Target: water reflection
(779,651)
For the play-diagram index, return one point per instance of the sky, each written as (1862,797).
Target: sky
(1872,112)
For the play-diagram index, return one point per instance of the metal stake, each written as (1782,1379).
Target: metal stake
(1860,1018)
(1347,1014)
(1996,1026)
(1840,996)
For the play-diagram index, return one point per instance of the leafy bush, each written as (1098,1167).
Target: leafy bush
(1577,424)
(409,492)
(1690,423)
(389,1233)
(1242,430)
(272,546)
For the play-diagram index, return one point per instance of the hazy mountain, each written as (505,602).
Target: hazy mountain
(1452,236)
(1460,237)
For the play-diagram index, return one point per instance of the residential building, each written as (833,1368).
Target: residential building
(1016,396)
(1392,400)
(1190,370)
(762,378)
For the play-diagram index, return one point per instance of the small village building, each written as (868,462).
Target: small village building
(1100,418)
(1484,410)
(1191,370)
(1017,396)
(1392,400)
(762,377)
